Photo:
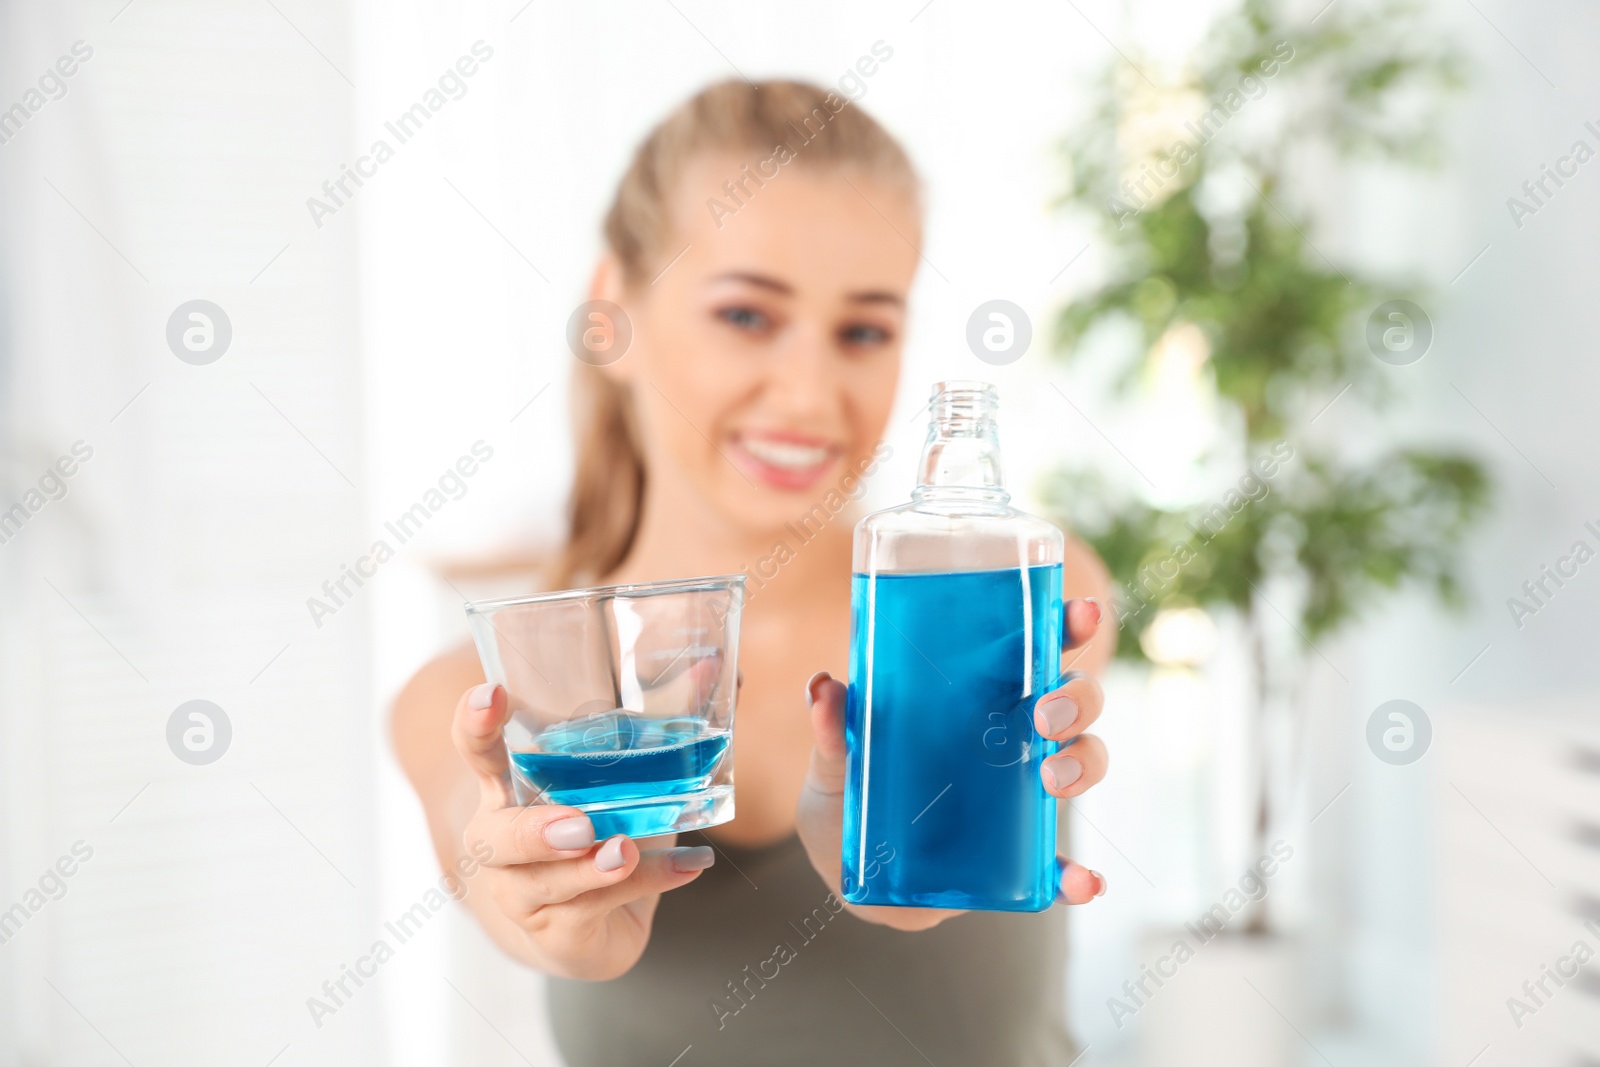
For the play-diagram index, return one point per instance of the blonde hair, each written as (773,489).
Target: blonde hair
(791,121)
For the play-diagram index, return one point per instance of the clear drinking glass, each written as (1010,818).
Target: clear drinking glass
(622,699)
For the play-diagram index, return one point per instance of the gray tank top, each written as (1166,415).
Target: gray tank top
(757,963)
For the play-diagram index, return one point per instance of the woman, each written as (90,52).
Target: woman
(762,244)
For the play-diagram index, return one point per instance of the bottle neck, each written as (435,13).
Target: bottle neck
(961,459)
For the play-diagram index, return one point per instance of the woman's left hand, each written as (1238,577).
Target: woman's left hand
(1060,715)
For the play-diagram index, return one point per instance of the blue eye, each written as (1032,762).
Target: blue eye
(744,318)
(864,335)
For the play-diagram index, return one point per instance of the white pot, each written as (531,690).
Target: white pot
(1229,999)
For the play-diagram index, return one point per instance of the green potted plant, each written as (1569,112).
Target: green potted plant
(1197,180)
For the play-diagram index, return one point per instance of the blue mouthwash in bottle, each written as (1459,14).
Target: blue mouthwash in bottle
(956,619)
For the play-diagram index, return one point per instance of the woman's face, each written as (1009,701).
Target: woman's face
(767,346)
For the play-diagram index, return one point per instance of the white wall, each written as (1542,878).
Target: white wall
(1515,336)
(176,567)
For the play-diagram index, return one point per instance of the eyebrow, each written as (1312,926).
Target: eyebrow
(766,281)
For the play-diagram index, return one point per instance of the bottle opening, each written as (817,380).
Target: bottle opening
(960,405)
(964,386)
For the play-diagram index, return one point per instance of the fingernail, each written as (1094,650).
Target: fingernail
(482,696)
(1095,604)
(570,833)
(812,683)
(1100,878)
(1055,714)
(610,857)
(686,860)
(1062,772)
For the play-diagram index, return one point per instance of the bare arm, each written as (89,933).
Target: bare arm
(545,891)
(420,725)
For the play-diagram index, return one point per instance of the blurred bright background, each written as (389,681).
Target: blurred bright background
(374,344)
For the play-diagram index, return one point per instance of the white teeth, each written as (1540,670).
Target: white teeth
(785,454)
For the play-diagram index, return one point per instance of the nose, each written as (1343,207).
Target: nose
(805,381)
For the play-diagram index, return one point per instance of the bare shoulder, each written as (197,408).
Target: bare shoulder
(1084,574)
(420,720)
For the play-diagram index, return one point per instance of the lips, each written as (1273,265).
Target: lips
(783,460)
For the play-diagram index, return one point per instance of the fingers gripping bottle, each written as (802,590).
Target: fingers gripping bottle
(956,619)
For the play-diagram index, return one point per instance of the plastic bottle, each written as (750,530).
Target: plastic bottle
(956,619)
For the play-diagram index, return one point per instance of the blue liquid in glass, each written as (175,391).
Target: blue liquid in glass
(944,806)
(600,762)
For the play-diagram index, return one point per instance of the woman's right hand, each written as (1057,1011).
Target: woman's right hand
(569,906)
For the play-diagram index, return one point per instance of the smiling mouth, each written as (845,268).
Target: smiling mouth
(783,463)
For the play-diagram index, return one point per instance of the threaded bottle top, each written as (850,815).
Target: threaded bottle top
(961,459)
(961,406)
